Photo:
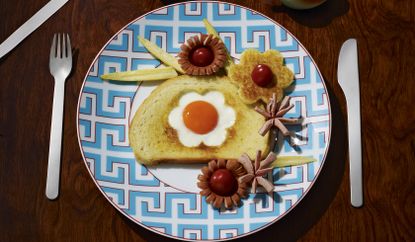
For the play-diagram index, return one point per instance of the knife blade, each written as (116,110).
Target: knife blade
(30,25)
(348,77)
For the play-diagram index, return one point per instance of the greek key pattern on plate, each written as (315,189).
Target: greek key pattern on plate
(105,108)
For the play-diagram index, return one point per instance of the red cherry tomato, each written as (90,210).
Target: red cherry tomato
(262,75)
(223,183)
(201,56)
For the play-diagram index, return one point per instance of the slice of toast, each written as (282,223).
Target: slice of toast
(153,140)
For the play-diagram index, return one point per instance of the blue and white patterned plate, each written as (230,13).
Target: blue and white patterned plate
(151,198)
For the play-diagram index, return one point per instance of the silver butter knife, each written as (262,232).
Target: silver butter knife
(348,77)
(30,25)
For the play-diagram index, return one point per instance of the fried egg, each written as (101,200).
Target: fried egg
(202,119)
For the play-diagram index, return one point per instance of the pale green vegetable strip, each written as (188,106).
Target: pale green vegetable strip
(142,75)
(160,54)
(283,161)
(211,30)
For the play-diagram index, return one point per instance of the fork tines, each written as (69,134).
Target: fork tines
(56,51)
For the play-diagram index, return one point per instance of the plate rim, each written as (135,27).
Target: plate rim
(272,222)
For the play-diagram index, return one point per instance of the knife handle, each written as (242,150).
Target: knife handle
(30,25)
(355,150)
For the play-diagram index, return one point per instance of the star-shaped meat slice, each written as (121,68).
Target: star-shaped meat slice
(274,113)
(256,170)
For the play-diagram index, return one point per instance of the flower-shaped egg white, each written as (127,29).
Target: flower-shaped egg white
(217,135)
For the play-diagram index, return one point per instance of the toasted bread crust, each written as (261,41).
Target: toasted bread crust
(153,140)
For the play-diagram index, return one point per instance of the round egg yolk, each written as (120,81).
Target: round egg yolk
(200,117)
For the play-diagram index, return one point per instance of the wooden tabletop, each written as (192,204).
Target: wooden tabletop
(385,33)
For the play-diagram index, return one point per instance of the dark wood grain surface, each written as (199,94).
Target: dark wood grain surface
(385,33)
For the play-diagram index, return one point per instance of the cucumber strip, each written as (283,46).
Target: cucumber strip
(160,54)
(283,161)
(142,75)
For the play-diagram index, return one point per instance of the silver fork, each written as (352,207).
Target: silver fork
(60,65)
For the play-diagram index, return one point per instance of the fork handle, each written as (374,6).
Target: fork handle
(54,159)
